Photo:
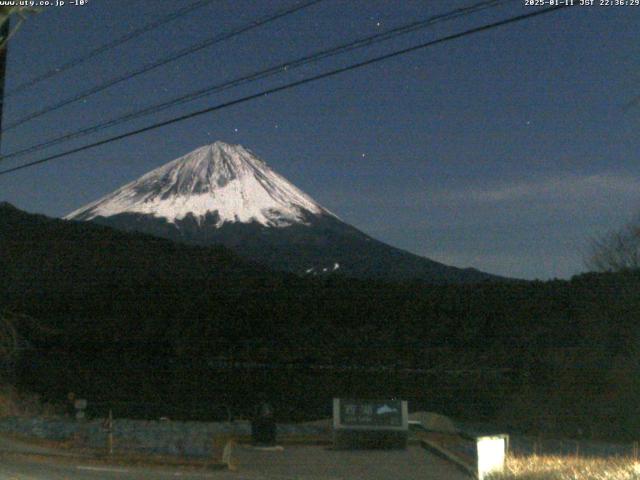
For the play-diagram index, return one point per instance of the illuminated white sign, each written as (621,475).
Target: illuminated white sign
(491,455)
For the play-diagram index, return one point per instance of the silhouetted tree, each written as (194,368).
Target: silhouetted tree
(616,251)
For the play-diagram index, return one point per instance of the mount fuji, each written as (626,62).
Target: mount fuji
(224,194)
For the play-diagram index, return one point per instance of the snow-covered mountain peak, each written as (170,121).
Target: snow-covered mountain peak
(221,181)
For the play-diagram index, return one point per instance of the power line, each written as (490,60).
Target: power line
(265,73)
(163,61)
(288,86)
(109,46)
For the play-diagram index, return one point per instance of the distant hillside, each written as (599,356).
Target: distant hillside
(223,194)
(152,327)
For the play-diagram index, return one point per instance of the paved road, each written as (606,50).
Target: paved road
(13,467)
(296,462)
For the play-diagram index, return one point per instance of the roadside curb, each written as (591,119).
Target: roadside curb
(450,456)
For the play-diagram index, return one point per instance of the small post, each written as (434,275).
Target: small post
(108,426)
(507,452)
(227,455)
(577,448)
(635,451)
(110,438)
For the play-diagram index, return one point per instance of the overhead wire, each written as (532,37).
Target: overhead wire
(108,46)
(282,67)
(291,85)
(164,61)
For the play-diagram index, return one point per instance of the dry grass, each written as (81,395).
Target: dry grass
(16,404)
(569,468)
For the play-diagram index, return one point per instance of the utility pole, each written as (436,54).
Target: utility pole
(5,34)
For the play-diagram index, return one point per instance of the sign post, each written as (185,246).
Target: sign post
(80,405)
(370,423)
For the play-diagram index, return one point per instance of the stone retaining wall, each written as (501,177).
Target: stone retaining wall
(195,439)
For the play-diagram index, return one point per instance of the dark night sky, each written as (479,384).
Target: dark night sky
(505,150)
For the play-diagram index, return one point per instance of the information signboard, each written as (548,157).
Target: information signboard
(370,423)
(368,414)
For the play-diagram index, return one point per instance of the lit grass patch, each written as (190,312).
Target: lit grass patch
(569,468)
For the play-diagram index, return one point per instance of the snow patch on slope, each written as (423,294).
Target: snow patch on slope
(313,271)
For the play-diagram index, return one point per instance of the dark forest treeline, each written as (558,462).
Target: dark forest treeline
(135,317)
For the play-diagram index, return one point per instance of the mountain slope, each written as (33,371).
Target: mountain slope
(221,178)
(50,267)
(223,194)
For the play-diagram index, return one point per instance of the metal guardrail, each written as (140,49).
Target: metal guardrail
(161,410)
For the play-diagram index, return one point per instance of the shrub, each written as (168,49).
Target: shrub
(19,404)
